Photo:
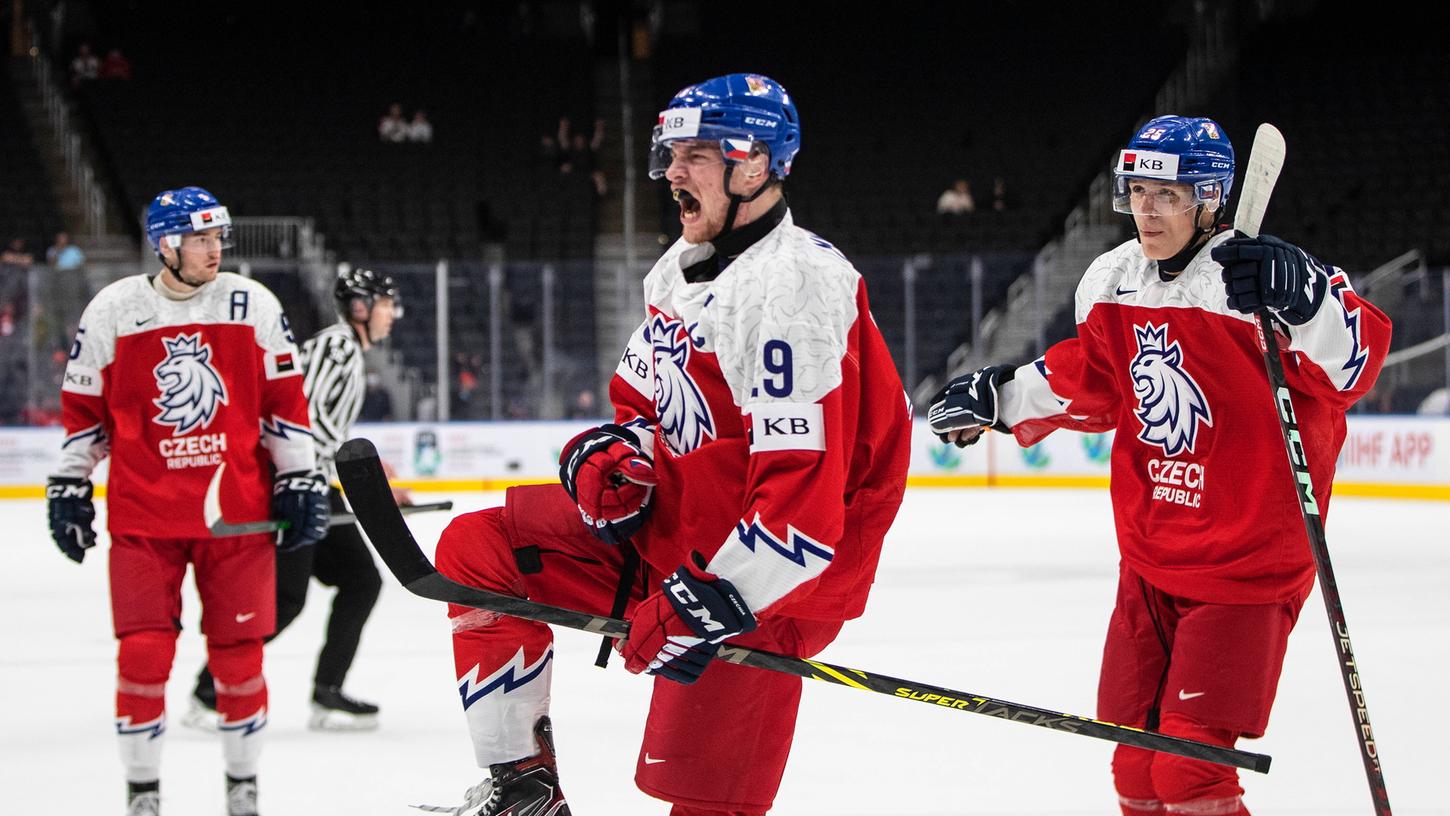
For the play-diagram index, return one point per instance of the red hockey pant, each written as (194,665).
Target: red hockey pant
(717,746)
(235,578)
(1208,672)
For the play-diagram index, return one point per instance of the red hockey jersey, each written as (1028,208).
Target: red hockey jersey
(777,423)
(186,396)
(1203,500)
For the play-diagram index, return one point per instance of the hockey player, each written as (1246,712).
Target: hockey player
(1215,565)
(189,380)
(757,457)
(333,381)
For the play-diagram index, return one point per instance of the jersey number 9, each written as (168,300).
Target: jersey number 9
(778,362)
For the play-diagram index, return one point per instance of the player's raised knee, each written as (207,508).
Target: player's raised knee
(474,550)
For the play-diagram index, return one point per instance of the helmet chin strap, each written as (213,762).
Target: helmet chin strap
(736,199)
(176,270)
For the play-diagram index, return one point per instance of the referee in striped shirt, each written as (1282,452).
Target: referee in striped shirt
(367,303)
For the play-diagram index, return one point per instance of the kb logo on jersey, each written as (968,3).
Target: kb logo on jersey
(190,387)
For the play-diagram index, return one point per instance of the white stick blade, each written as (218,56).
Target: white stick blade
(1265,162)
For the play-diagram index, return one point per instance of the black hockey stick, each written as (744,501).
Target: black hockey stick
(1265,162)
(221,528)
(340,519)
(225,529)
(367,489)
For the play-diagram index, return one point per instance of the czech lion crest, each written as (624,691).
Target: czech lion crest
(684,415)
(1170,403)
(190,387)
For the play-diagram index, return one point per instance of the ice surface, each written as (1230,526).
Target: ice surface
(1002,592)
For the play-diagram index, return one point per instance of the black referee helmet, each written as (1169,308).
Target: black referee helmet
(368,286)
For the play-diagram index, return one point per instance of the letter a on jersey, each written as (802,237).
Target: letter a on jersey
(190,387)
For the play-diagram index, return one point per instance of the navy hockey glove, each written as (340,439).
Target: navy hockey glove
(300,499)
(969,401)
(611,479)
(675,632)
(68,501)
(1265,272)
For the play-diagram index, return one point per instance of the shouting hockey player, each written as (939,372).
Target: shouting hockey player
(1215,564)
(757,458)
(333,381)
(189,379)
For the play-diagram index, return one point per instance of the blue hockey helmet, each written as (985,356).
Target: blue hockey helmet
(189,209)
(1182,149)
(739,111)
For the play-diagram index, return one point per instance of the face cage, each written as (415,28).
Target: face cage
(1207,193)
(661,155)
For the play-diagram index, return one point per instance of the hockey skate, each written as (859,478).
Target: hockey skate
(334,711)
(526,787)
(202,714)
(241,796)
(143,799)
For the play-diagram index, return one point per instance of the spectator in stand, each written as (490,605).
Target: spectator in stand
(15,256)
(85,67)
(584,406)
(15,264)
(63,255)
(115,66)
(549,156)
(393,127)
(420,130)
(466,386)
(563,143)
(601,185)
(999,194)
(957,199)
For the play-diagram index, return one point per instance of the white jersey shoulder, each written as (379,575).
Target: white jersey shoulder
(1123,275)
(777,318)
(132,305)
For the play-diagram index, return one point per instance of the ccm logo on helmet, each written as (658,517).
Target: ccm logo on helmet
(755,120)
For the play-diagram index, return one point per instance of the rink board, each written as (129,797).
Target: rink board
(1383,456)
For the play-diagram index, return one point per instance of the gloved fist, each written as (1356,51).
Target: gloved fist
(1265,272)
(68,502)
(676,632)
(299,498)
(612,480)
(969,401)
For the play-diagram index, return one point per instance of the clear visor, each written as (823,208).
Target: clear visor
(1145,196)
(201,242)
(664,153)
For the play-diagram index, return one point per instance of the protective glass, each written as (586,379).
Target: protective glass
(662,153)
(202,242)
(1143,196)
